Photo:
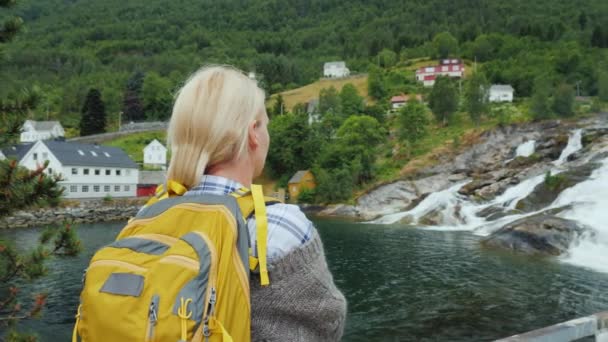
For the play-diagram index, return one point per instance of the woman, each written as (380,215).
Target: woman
(218,135)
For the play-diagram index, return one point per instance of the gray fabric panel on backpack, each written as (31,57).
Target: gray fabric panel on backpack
(124,284)
(230,202)
(197,287)
(141,245)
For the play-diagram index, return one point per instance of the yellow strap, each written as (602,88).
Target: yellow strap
(261,222)
(75,332)
(214,324)
(184,315)
(173,189)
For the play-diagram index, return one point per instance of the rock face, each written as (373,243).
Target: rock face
(85,212)
(546,192)
(542,234)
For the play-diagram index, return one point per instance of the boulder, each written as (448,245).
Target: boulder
(546,192)
(541,234)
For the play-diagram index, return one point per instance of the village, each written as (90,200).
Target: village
(90,171)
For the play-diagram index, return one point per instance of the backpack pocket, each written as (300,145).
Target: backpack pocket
(184,277)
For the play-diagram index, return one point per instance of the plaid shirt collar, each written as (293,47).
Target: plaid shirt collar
(216,185)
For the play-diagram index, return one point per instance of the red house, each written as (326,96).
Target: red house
(446,67)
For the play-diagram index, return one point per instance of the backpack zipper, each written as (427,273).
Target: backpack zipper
(152,318)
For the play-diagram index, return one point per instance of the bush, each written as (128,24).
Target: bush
(307,196)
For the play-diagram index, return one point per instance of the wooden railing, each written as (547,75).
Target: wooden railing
(589,326)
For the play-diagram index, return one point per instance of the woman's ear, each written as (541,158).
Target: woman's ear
(252,134)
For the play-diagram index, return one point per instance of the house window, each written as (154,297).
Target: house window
(73,188)
(94,154)
(107,154)
(85,188)
(106,188)
(117,188)
(96,188)
(149,157)
(85,171)
(118,172)
(35,156)
(50,170)
(45,156)
(97,172)
(80,152)
(444,68)
(108,172)
(74,171)
(456,67)
(127,172)
(127,188)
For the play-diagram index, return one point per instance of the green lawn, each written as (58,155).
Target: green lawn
(134,144)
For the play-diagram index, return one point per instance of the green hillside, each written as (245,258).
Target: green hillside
(69,46)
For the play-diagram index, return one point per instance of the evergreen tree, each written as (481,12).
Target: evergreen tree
(375,83)
(157,96)
(21,188)
(133,108)
(476,96)
(563,100)
(443,99)
(93,120)
(540,98)
(413,121)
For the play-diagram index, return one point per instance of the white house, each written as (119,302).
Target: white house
(401,100)
(2,157)
(335,69)
(41,130)
(447,67)
(87,170)
(155,154)
(501,93)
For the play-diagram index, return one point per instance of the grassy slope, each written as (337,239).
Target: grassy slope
(134,144)
(311,91)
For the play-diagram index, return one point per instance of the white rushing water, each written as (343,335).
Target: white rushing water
(526,149)
(589,201)
(574,144)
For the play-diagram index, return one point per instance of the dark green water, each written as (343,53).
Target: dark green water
(402,284)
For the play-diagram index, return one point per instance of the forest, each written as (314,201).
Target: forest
(70,46)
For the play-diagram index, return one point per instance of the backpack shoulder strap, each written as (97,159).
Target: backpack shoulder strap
(253,201)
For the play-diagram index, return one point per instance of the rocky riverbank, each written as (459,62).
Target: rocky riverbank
(496,187)
(79,212)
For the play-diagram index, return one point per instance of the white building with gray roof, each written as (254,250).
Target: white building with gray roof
(87,170)
(335,69)
(40,130)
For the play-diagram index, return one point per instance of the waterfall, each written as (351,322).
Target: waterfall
(588,201)
(526,149)
(574,144)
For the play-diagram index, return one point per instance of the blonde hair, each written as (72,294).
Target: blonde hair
(209,122)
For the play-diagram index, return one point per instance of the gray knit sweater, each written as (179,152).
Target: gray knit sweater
(301,303)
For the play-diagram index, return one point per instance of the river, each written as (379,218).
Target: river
(402,284)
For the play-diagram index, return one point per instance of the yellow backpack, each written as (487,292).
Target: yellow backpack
(179,271)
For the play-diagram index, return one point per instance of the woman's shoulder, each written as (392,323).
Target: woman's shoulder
(289,217)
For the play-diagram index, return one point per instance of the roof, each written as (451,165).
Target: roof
(339,64)
(70,153)
(155,142)
(17,151)
(501,87)
(404,98)
(297,177)
(43,125)
(151,177)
